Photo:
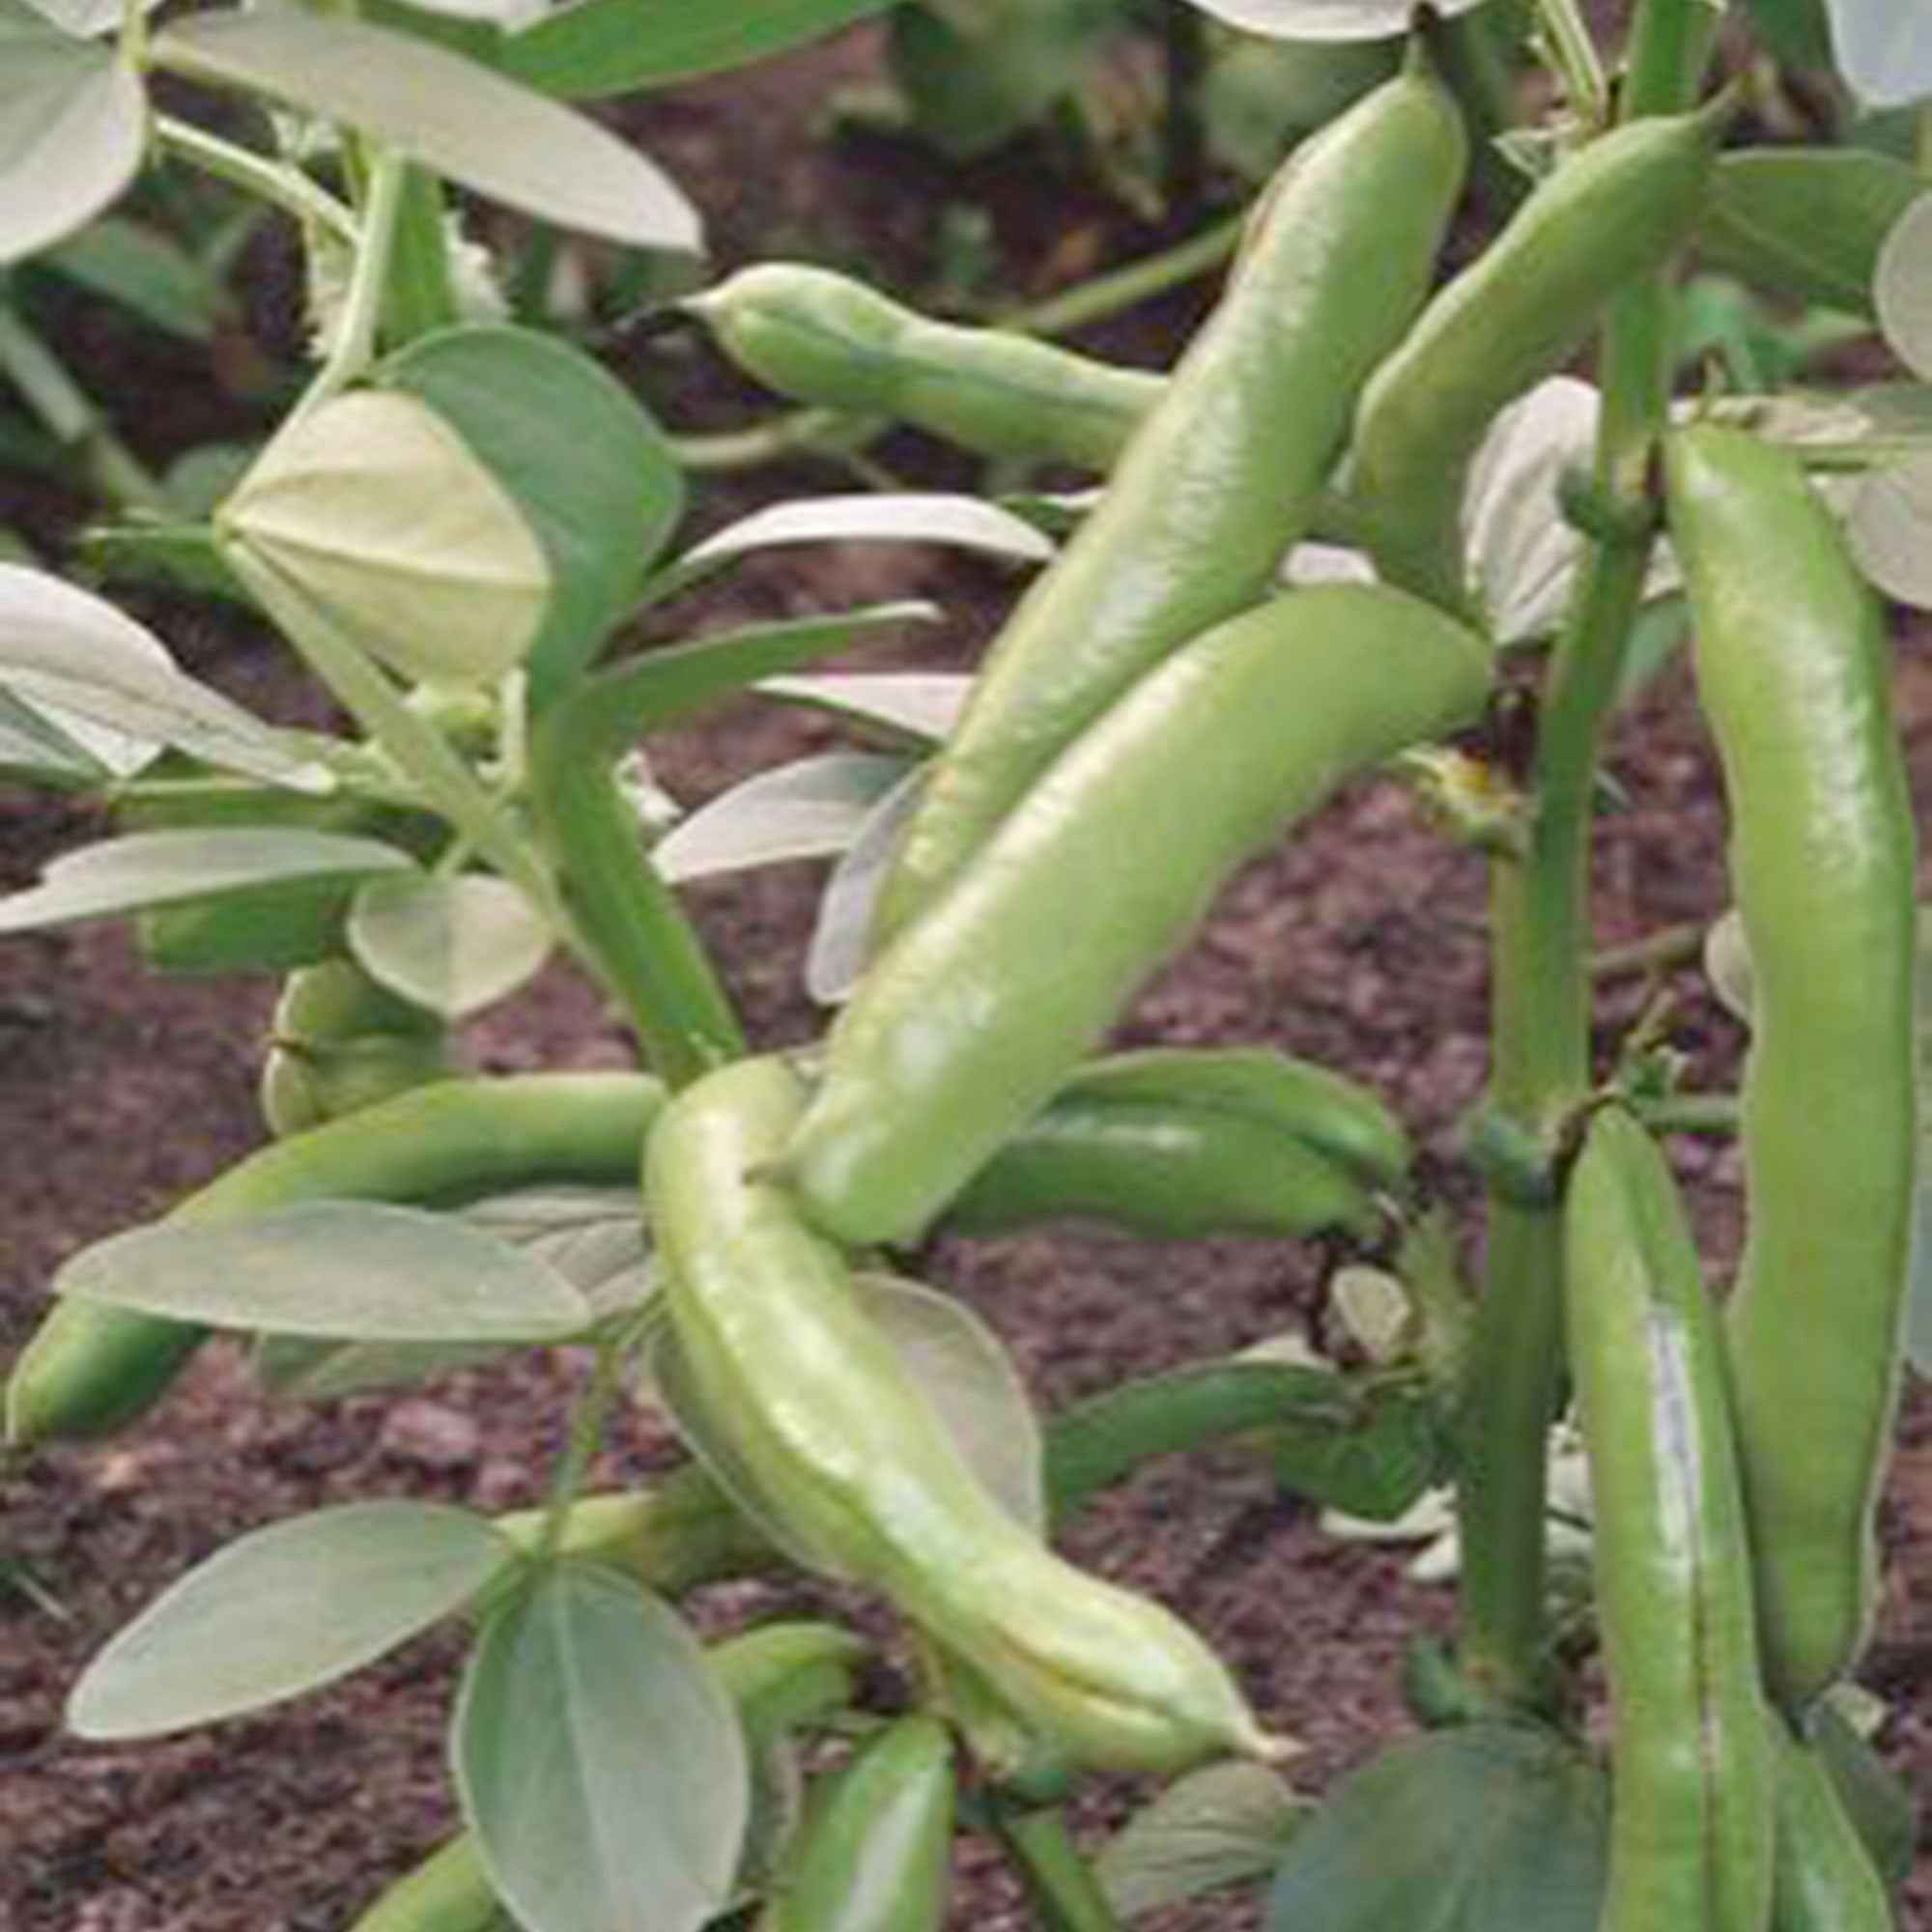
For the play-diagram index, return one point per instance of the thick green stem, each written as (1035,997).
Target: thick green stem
(1541,940)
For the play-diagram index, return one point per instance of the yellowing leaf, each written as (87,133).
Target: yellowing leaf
(378,512)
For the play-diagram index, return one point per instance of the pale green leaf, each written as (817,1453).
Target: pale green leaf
(965,523)
(917,707)
(813,808)
(1890,528)
(1884,49)
(153,869)
(284,1610)
(377,511)
(454,116)
(1222,1825)
(347,1269)
(1322,20)
(1903,287)
(599,1762)
(845,932)
(73,121)
(453,944)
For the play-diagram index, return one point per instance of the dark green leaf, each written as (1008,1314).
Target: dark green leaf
(1218,1825)
(599,1761)
(1796,31)
(1874,1796)
(144,272)
(588,468)
(1374,1466)
(1485,1828)
(1805,221)
(283,1610)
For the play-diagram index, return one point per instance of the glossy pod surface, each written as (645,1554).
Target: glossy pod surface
(1221,478)
(874,1853)
(1613,212)
(822,338)
(90,1369)
(1794,674)
(821,1413)
(1691,1765)
(963,1029)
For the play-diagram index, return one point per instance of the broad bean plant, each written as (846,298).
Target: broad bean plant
(1365,502)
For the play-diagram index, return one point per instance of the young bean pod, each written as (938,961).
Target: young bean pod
(1794,674)
(965,1027)
(1613,212)
(821,338)
(1220,480)
(820,1411)
(1690,1766)
(90,1369)
(874,1853)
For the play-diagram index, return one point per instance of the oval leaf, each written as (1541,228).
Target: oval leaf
(155,869)
(375,510)
(73,122)
(917,707)
(591,473)
(1485,1828)
(451,945)
(1219,1826)
(109,684)
(282,1611)
(614,46)
(1891,530)
(810,810)
(1322,20)
(599,1762)
(1806,222)
(454,116)
(1884,49)
(1903,287)
(350,1270)
(843,936)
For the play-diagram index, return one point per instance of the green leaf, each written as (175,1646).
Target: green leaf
(1796,31)
(145,272)
(73,121)
(913,709)
(1807,222)
(268,929)
(377,511)
(1260,96)
(1890,528)
(844,934)
(1885,49)
(1322,20)
(150,868)
(811,808)
(307,1368)
(1875,1798)
(453,944)
(1904,287)
(615,46)
(348,1269)
(284,1610)
(591,473)
(1374,1465)
(599,1761)
(1219,1826)
(111,686)
(1485,1828)
(454,116)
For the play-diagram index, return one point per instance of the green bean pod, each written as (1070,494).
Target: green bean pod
(340,1041)
(1826,1879)
(1794,673)
(1221,478)
(822,1414)
(780,1676)
(966,1026)
(1691,1763)
(1612,213)
(1167,1171)
(1323,1109)
(824,339)
(874,1853)
(90,1369)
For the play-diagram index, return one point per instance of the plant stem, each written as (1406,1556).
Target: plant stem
(1715,1114)
(1060,1883)
(1671,947)
(587,1420)
(1573,53)
(1540,979)
(285,187)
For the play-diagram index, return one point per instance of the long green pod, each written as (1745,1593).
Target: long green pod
(780,1676)
(1610,214)
(966,1026)
(1794,674)
(821,1410)
(90,1370)
(824,339)
(1167,1171)
(1221,478)
(874,1853)
(1691,1763)
(1324,1110)
(1825,1880)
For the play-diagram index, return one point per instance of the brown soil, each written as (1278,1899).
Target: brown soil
(1360,944)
